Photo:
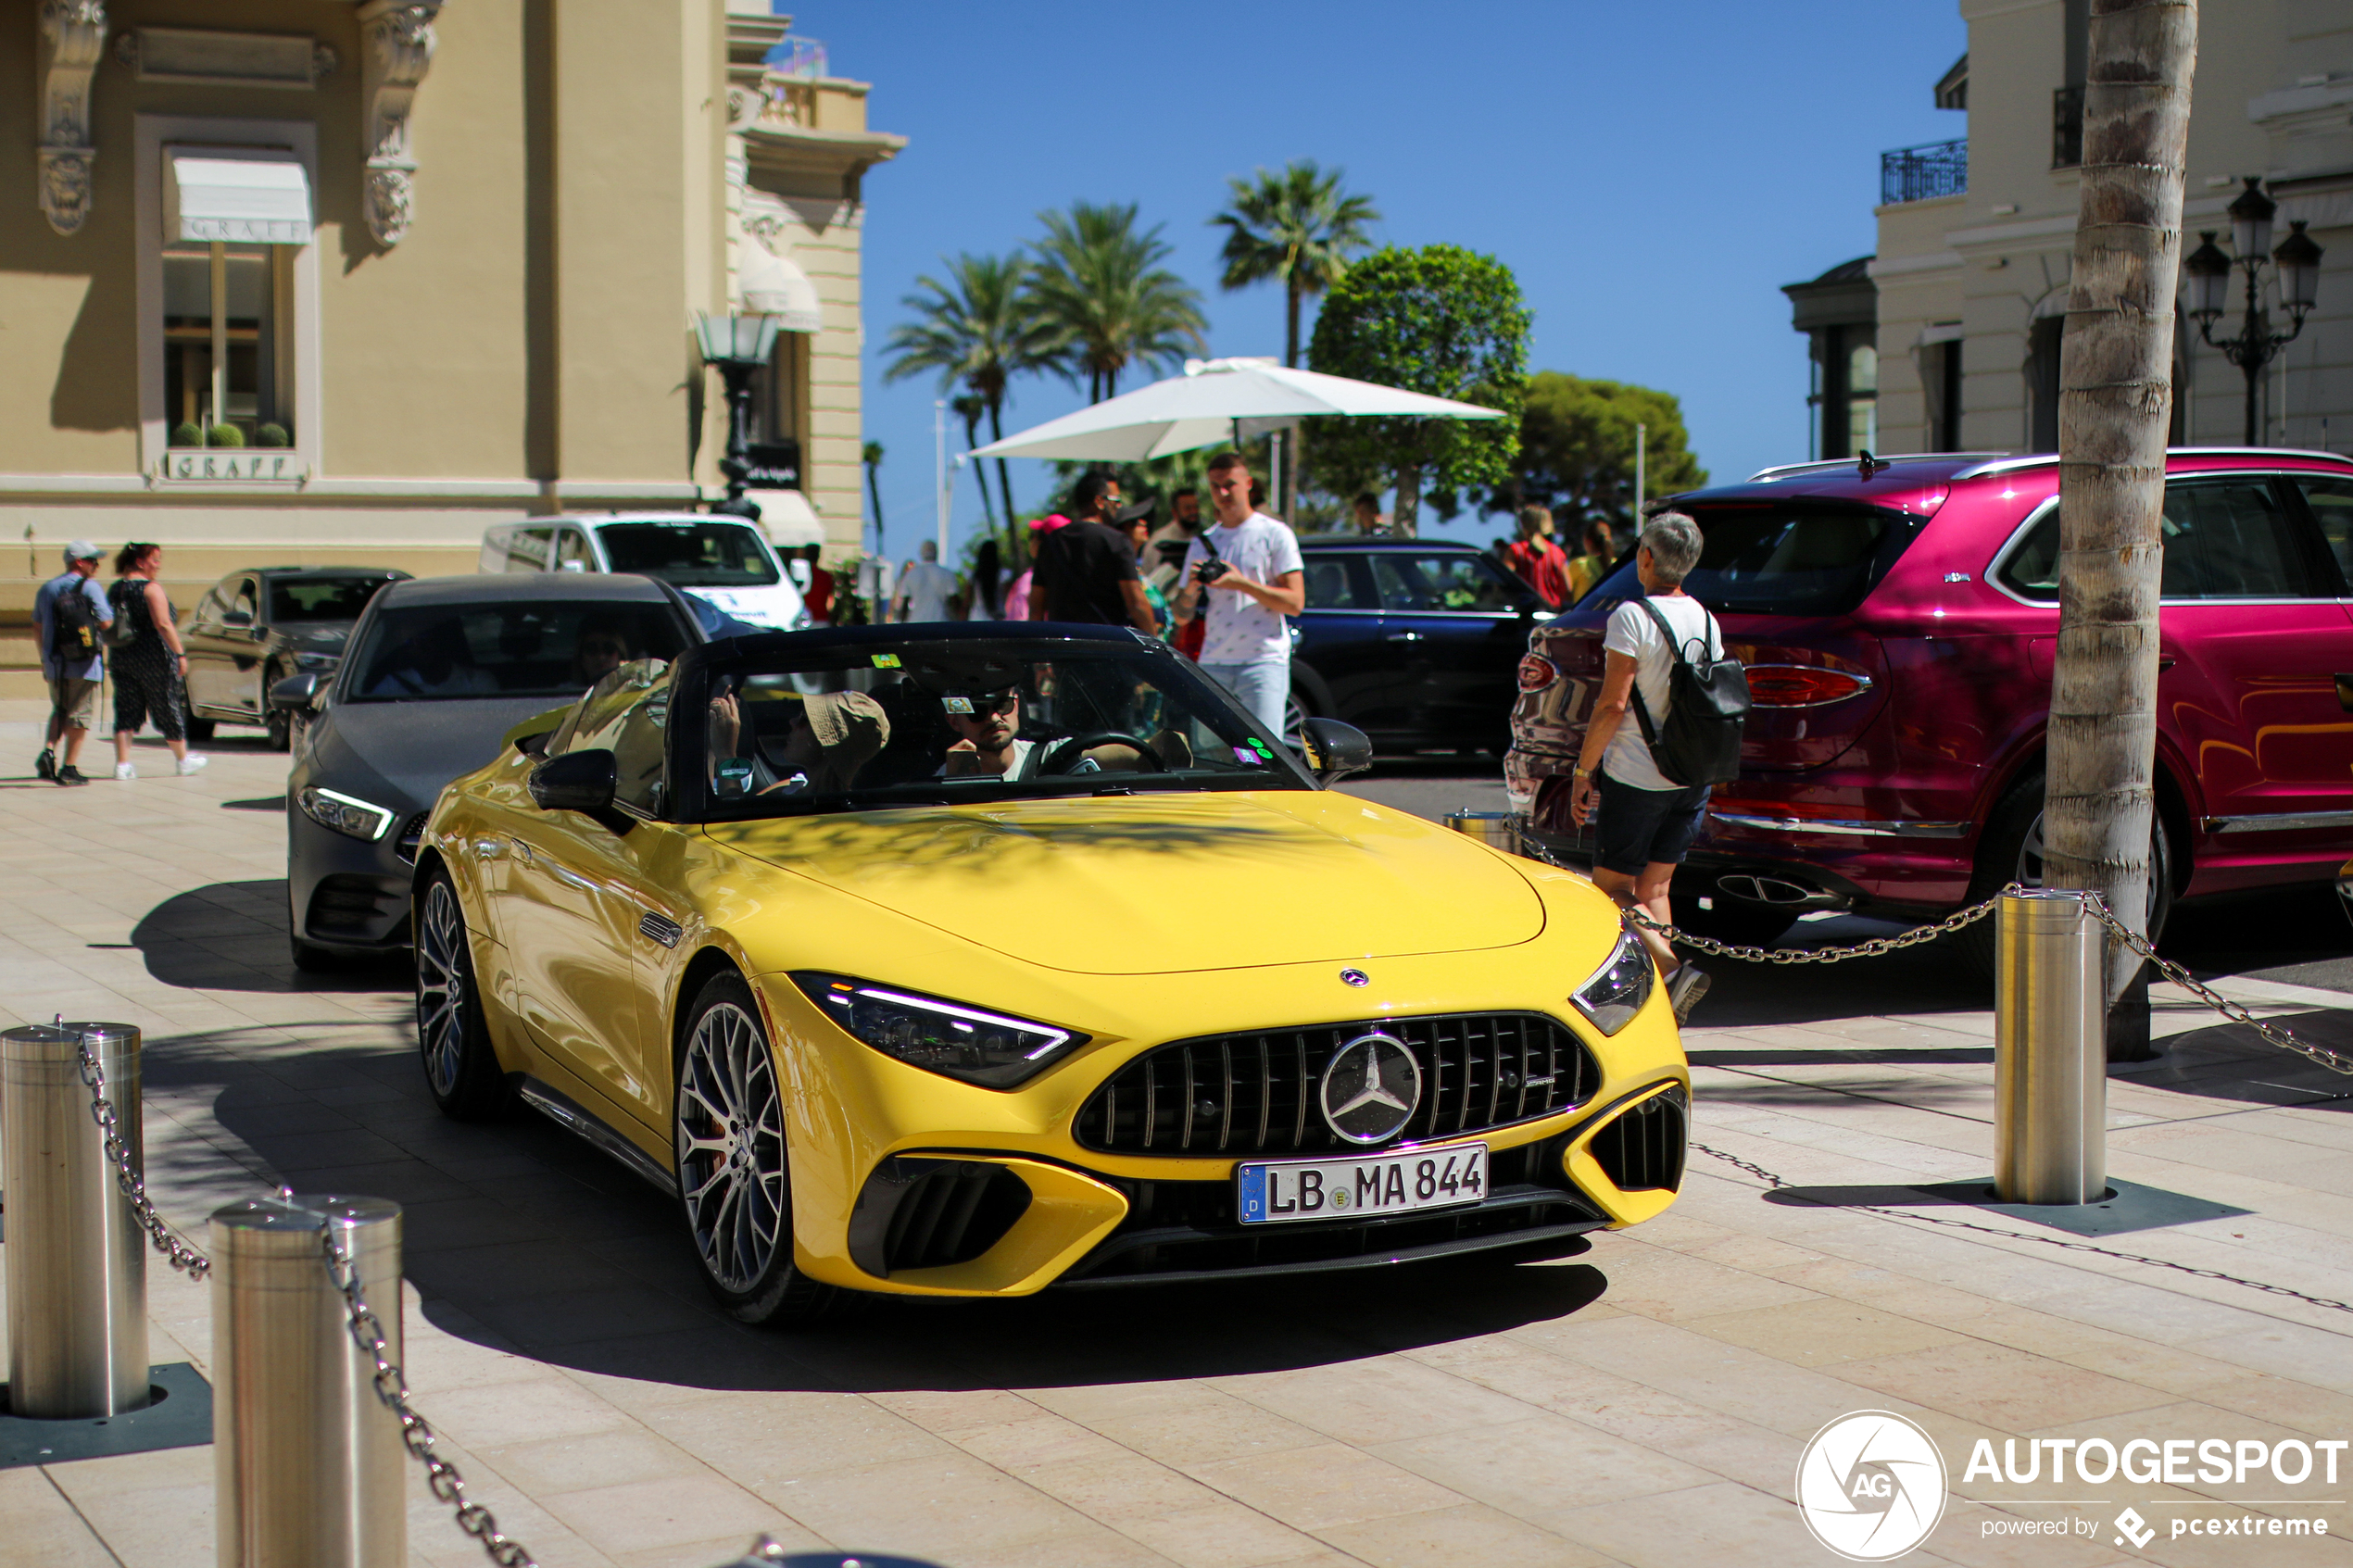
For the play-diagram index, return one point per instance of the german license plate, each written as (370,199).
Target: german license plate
(1269,1192)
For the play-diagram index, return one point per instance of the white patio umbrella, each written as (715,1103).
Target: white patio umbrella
(1214,401)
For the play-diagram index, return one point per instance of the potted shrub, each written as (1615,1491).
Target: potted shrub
(272,435)
(224,435)
(187,433)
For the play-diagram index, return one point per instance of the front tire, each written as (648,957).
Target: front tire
(727,1124)
(279,725)
(453,1039)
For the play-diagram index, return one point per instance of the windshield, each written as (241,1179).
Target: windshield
(873,725)
(321,598)
(1783,558)
(543,648)
(690,554)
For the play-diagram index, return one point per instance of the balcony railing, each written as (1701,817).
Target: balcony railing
(2067,127)
(1923,174)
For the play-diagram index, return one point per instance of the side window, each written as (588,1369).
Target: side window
(1440,582)
(247,608)
(572,551)
(209,609)
(2331,503)
(627,713)
(2232,539)
(527,549)
(1332,583)
(2031,571)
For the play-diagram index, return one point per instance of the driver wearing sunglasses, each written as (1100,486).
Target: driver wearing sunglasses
(987,745)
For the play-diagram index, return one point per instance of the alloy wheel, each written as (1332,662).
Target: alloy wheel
(1294,720)
(441,988)
(731,1146)
(2029,865)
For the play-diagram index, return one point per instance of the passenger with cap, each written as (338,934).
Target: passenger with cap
(832,735)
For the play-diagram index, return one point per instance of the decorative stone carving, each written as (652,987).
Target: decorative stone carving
(397,45)
(73,40)
(213,58)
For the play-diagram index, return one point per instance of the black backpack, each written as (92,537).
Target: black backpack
(123,593)
(73,626)
(1706,708)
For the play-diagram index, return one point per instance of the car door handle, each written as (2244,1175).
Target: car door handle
(1404,636)
(2166,662)
(2344,690)
(522,852)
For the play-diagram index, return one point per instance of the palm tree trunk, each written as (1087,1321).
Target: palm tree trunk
(1409,499)
(1004,477)
(2115,394)
(980,475)
(1290,326)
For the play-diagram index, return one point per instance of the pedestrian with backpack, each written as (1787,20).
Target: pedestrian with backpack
(1645,787)
(150,666)
(70,620)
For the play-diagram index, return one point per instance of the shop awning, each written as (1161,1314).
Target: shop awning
(242,201)
(775,285)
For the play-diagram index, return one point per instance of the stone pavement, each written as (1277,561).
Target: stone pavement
(1644,1400)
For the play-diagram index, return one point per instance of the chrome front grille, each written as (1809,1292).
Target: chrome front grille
(1255,1094)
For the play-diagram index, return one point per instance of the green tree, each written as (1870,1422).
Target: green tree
(1297,227)
(1577,449)
(1442,320)
(975,331)
(1098,288)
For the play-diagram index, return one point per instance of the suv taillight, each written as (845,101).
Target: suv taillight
(1536,672)
(1801,686)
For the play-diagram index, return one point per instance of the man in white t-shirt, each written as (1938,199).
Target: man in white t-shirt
(926,586)
(1255,578)
(1644,821)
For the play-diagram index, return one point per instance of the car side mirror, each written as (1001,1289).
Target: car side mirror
(295,694)
(236,618)
(1334,750)
(578,781)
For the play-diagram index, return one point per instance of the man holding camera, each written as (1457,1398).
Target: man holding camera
(1249,572)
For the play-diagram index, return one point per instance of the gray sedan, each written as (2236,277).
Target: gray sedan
(440,669)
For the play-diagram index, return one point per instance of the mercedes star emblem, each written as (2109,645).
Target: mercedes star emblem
(1355,977)
(1371,1090)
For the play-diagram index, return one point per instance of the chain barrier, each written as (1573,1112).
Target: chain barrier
(1771,1180)
(2271,1034)
(416,1434)
(182,1253)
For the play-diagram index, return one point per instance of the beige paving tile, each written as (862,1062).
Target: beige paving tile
(40,1526)
(2004,1388)
(1540,1465)
(1332,1484)
(1220,1535)
(641,1515)
(1374,1401)
(606,1459)
(1821,1332)
(1454,1537)
(1705,1528)
(920,1509)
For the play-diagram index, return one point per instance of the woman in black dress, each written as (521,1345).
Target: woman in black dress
(150,665)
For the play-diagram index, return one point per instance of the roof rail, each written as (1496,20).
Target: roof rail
(2036,459)
(1879,460)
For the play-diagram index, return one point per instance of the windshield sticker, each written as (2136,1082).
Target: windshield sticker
(962,705)
(885,662)
(1244,755)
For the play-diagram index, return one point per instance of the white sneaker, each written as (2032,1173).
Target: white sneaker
(192,763)
(125,771)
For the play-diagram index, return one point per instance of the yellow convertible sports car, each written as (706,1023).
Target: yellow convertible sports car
(970,960)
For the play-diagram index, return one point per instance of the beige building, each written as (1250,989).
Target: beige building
(1948,338)
(311,280)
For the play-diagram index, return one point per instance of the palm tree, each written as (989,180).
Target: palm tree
(871,454)
(1297,227)
(976,331)
(969,407)
(1099,286)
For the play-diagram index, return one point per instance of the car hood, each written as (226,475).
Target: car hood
(402,754)
(1165,883)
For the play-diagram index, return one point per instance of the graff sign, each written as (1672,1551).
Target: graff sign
(229,463)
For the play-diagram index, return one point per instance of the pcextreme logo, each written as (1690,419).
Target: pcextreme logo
(1870,1485)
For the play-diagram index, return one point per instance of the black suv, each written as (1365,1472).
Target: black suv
(1415,641)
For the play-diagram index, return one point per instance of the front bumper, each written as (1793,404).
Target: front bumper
(898,1187)
(350,894)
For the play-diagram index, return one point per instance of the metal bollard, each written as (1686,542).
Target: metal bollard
(2050,1052)
(1497,830)
(307,1461)
(77,1256)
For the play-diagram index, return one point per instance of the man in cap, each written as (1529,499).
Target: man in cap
(72,617)
(987,744)
(832,735)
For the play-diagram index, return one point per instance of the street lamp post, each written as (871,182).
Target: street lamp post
(738,347)
(2298,260)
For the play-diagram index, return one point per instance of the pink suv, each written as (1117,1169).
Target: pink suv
(1899,631)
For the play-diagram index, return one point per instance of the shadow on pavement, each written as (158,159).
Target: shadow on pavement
(231,936)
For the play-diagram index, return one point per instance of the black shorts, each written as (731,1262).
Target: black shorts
(1633,828)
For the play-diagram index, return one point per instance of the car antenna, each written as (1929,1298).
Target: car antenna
(1867,465)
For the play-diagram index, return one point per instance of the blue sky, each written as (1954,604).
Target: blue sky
(1653,173)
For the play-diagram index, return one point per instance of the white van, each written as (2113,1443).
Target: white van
(723,560)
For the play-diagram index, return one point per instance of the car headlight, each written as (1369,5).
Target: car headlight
(1618,989)
(345,813)
(317,661)
(970,1043)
